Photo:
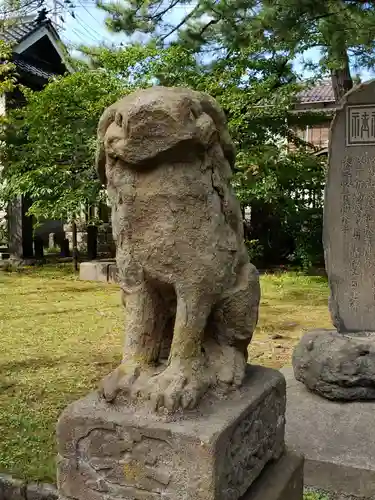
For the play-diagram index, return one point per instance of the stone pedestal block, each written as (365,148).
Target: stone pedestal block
(215,452)
(337,365)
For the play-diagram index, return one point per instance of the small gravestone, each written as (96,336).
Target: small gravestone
(183,417)
(341,364)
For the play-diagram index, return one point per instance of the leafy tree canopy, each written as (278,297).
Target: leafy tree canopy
(51,141)
(343,30)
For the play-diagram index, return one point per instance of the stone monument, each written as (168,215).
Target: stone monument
(340,364)
(183,417)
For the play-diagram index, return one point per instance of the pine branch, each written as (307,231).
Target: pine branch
(181,23)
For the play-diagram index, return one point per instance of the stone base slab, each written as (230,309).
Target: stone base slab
(15,489)
(98,270)
(213,453)
(336,438)
(280,480)
(337,366)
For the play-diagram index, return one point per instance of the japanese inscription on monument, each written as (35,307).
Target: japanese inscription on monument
(357,210)
(360,125)
(349,215)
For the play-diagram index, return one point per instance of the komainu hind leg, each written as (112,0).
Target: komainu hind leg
(230,328)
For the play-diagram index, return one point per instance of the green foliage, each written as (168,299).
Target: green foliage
(255,250)
(3,232)
(315,495)
(332,25)
(8,78)
(284,189)
(8,83)
(342,30)
(51,142)
(49,145)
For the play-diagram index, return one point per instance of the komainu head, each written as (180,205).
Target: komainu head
(149,125)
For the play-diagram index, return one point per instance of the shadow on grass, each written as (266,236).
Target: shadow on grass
(83,288)
(53,271)
(271,328)
(308,298)
(34,363)
(51,312)
(63,290)
(48,362)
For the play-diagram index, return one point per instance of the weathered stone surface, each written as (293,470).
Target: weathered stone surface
(15,489)
(11,488)
(41,491)
(335,438)
(190,291)
(337,366)
(349,212)
(280,480)
(211,453)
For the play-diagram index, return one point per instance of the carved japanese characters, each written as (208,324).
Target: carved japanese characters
(349,214)
(190,292)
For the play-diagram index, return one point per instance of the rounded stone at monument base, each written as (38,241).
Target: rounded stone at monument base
(337,366)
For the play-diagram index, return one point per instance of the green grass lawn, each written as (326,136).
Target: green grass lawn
(312,495)
(59,336)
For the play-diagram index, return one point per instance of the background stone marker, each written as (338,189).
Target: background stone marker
(349,213)
(341,364)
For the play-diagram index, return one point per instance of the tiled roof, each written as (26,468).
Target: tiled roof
(322,92)
(19,30)
(34,68)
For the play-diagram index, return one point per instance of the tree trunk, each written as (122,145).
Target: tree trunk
(75,247)
(38,248)
(341,78)
(92,242)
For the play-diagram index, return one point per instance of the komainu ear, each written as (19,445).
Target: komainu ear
(207,129)
(211,107)
(100,160)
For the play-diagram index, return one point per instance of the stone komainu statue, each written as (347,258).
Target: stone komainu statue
(190,292)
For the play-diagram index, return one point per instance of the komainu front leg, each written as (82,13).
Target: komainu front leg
(143,331)
(186,379)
